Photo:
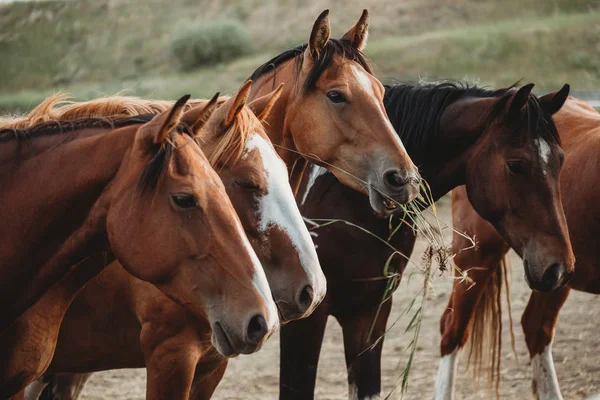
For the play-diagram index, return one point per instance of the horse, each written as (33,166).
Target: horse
(458,135)
(331,113)
(256,180)
(300,286)
(578,125)
(315,119)
(212,243)
(67,220)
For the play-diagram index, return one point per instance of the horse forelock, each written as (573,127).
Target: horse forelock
(230,146)
(334,48)
(536,122)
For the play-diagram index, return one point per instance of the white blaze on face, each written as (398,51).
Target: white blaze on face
(544,375)
(260,281)
(544,152)
(365,83)
(315,172)
(444,382)
(278,208)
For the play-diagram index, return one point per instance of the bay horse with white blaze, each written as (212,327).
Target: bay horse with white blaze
(457,135)
(256,180)
(578,125)
(331,113)
(190,214)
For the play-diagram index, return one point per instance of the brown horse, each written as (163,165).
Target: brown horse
(75,216)
(579,127)
(298,287)
(211,242)
(256,180)
(331,113)
(458,135)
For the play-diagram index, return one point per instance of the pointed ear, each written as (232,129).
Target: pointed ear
(204,115)
(552,102)
(159,129)
(319,35)
(237,103)
(359,33)
(519,99)
(263,105)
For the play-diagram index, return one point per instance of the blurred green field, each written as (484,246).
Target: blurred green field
(93,48)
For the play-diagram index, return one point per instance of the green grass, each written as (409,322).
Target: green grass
(201,84)
(548,50)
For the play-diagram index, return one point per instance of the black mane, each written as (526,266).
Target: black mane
(415,111)
(333,47)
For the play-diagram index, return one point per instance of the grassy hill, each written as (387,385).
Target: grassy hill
(91,48)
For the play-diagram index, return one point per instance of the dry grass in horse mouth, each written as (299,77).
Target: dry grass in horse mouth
(413,216)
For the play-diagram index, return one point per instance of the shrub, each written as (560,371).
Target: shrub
(210,42)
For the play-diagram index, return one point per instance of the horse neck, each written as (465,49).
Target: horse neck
(576,121)
(276,125)
(68,182)
(72,175)
(461,126)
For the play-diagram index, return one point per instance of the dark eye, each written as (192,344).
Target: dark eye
(184,201)
(516,167)
(336,97)
(248,185)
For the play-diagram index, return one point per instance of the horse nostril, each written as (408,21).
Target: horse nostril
(257,328)
(553,275)
(396,179)
(305,298)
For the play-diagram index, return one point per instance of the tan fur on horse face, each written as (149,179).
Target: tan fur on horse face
(338,131)
(203,252)
(349,135)
(249,174)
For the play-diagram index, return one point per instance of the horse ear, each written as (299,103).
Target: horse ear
(263,105)
(319,35)
(205,115)
(237,103)
(519,99)
(358,34)
(159,129)
(552,102)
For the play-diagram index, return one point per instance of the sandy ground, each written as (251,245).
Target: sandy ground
(576,353)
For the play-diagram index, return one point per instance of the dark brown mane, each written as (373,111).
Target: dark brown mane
(157,166)
(334,47)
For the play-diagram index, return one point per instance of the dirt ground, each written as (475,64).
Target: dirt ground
(576,353)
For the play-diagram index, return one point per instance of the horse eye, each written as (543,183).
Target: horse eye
(336,97)
(248,185)
(516,167)
(184,201)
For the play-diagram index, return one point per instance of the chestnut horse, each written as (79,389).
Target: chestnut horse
(579,127)
(130,304)
(457,135)
(211,241)
(331,113)
(82,208)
